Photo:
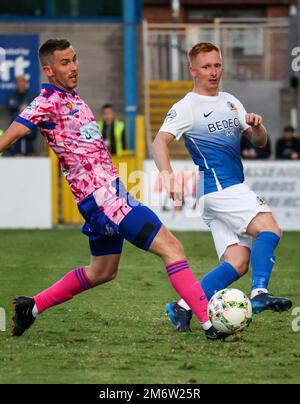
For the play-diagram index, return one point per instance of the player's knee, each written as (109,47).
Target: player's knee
(264,222)
(111,276)
(179,248)
(278,232)
(174,248)
(166,246)
(242,267)
(272,229)
(240,264)
(102,275)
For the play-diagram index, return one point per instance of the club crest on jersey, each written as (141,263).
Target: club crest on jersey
(231,106)
(69,105)
(90,132)
(170,115)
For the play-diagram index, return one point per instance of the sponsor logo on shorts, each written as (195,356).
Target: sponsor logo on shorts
(109,231)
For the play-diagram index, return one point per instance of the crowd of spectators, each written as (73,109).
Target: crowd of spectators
(287,147)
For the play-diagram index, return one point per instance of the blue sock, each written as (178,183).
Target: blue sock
(262,258)
(218,279)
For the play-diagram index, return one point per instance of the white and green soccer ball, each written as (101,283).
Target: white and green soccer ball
(229,310)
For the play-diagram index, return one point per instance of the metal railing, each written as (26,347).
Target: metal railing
(253,49)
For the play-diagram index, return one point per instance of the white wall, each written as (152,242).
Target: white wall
(25,192)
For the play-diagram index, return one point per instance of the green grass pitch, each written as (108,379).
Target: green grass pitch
(118,333)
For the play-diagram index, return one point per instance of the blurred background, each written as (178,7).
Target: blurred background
(132,56)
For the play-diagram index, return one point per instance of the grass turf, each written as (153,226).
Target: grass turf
(118,333)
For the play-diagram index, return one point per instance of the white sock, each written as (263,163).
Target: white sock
(257,291)
(35,311)
(183,304)
(207,325)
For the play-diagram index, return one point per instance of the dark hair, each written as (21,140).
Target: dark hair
(104,106)
(288,128)
(50,46)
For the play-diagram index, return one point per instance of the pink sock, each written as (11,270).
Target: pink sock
(186,285)
(71,284)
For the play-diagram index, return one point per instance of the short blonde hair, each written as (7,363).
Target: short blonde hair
(201,47)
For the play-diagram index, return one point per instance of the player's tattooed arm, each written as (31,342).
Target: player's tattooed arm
(257,133)
(13,133)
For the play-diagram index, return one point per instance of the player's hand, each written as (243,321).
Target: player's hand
(253,119)
(173,188)
(176,193)
(252,153)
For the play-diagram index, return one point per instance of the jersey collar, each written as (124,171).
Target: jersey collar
(206,97)
(48,85)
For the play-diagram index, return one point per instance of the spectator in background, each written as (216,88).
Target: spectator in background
(288,146)
(250,152)
(20,98)
(113,130)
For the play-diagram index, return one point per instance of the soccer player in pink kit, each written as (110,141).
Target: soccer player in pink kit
(111,214)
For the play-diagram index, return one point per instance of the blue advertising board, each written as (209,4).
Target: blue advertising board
(18,57)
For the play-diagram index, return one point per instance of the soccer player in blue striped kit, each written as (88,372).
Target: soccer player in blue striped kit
(211,122)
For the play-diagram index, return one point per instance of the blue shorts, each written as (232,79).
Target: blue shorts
(106,234)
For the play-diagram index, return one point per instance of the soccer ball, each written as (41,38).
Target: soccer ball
(229,310)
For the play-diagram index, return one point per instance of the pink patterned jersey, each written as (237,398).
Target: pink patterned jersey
(72,132)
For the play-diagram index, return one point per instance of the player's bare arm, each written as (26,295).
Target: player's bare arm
(13,133)
(257,133)
(160,151)
(161,157)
